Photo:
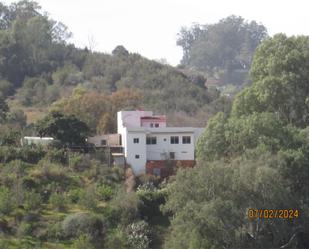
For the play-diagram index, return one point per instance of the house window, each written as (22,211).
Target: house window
(174,140)
(136,140)
(151,140)
(172,155)
(151,125)
(156,125)
(103,142)
(186,139)
(136,156)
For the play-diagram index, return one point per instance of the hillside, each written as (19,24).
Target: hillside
(38,68)
(57,197)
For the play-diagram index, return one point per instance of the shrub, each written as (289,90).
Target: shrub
(24,229)
(7,202)
(79,162)
(8,153)
(28,183)
(54,231)
(75,194)
(151,199)
(32,200)
(105,192)
(55,155)
(88,198)
(83,242)
(48,172)
(117,240)
(138,235)
(58,201)
(31,154)
(147,179)
(126,206)
(111,175)
(78,224)
(4,244)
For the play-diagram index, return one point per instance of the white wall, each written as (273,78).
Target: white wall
(132,149)
(146,123)
(159,151)
(182,151)
(111,139)
(131,118)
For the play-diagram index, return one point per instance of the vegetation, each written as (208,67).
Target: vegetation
(67,129)
(254,153)
(50,204)
(38,68)
(224,50)
(254,158)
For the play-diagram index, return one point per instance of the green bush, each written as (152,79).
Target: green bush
(138,235)
(58,201)
(105,192)
(4,244)
(126,206)
(88,198)
(118,239)
(8,153)
(83,242)
(75,194)
(111,176)
(151,200)
(55,155)
(147,179)
(54,231)
(48,172)
(31,154)
(24,229)
(78,224)
(79,162)
(29,183)
(7,201)
(32,201)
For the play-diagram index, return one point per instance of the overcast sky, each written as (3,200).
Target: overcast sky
(150,27)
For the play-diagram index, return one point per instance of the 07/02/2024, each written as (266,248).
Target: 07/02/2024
(273,213)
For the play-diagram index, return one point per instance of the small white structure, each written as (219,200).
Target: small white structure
(36,140)
(105,140)
(146,137)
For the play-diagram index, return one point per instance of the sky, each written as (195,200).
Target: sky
(150,27)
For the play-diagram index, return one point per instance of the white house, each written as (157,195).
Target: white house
(147,141)
(36,140)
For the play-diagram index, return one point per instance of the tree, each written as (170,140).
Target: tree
(280,75)
(210,205)
(67,129)
(120,51)
(256,157)
(224,49)
(89,107)
(107,124)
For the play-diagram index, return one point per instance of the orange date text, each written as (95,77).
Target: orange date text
(273,213)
